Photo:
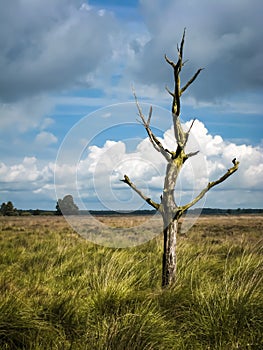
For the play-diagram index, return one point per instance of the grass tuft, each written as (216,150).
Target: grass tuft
(58,291)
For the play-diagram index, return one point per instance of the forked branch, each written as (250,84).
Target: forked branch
(191,154)
(187,133)
(147,199)
(180,135)
(154,140)
(209,186)
(174,158)
(190,81)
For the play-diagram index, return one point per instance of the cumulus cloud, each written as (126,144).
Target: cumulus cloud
(57,45)
(104,166)
(27,175)
(95,180)
(29,184)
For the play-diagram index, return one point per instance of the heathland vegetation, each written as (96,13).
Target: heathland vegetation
(58,291)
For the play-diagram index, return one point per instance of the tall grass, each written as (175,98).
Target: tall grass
(58,291)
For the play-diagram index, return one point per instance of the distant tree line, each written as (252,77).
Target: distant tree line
(217,211)
(66,206)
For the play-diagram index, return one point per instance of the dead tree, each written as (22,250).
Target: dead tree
(170,211)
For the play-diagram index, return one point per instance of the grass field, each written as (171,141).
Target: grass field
(59,291)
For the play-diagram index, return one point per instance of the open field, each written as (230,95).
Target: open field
(59,291)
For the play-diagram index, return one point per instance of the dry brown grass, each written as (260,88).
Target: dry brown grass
(249,227)
(235,229)
(58,290)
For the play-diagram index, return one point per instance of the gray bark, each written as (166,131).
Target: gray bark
(169,252)
(168,208)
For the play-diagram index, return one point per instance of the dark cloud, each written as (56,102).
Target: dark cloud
(224,37)
(51,44)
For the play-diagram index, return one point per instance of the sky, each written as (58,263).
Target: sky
(68,121)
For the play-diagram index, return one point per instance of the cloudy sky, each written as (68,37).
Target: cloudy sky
(66,105)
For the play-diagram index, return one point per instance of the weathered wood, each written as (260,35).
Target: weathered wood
(169,252)
(168,208)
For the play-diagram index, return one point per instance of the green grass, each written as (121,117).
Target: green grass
(58,291)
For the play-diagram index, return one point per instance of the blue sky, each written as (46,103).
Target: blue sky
(67,71)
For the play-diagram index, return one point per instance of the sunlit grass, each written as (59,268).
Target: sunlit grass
(58,291)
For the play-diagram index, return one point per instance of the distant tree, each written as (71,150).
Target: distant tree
(58,210)
(8,209)
(175,158)
(66,206)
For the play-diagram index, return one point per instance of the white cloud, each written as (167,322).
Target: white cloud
(49,46)
(47,122)
(85,7)
(29,184)
(28,174)
(60,50)
(104,167)
(224,37)
(45,138)
(102,12)
(98,173)
(24,115)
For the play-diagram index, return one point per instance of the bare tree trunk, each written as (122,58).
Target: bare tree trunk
(169,253)
(170,211)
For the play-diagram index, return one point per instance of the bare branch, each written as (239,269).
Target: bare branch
(149,116)
(234,161)
(209,186)
(190,81)
(137,104)
(186,134)
(184,62)
(169,61)
(181,49)
(191,154)
(147,199)
(176,104)
(180,135)
(169,92)
(178,49)
(154,140)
